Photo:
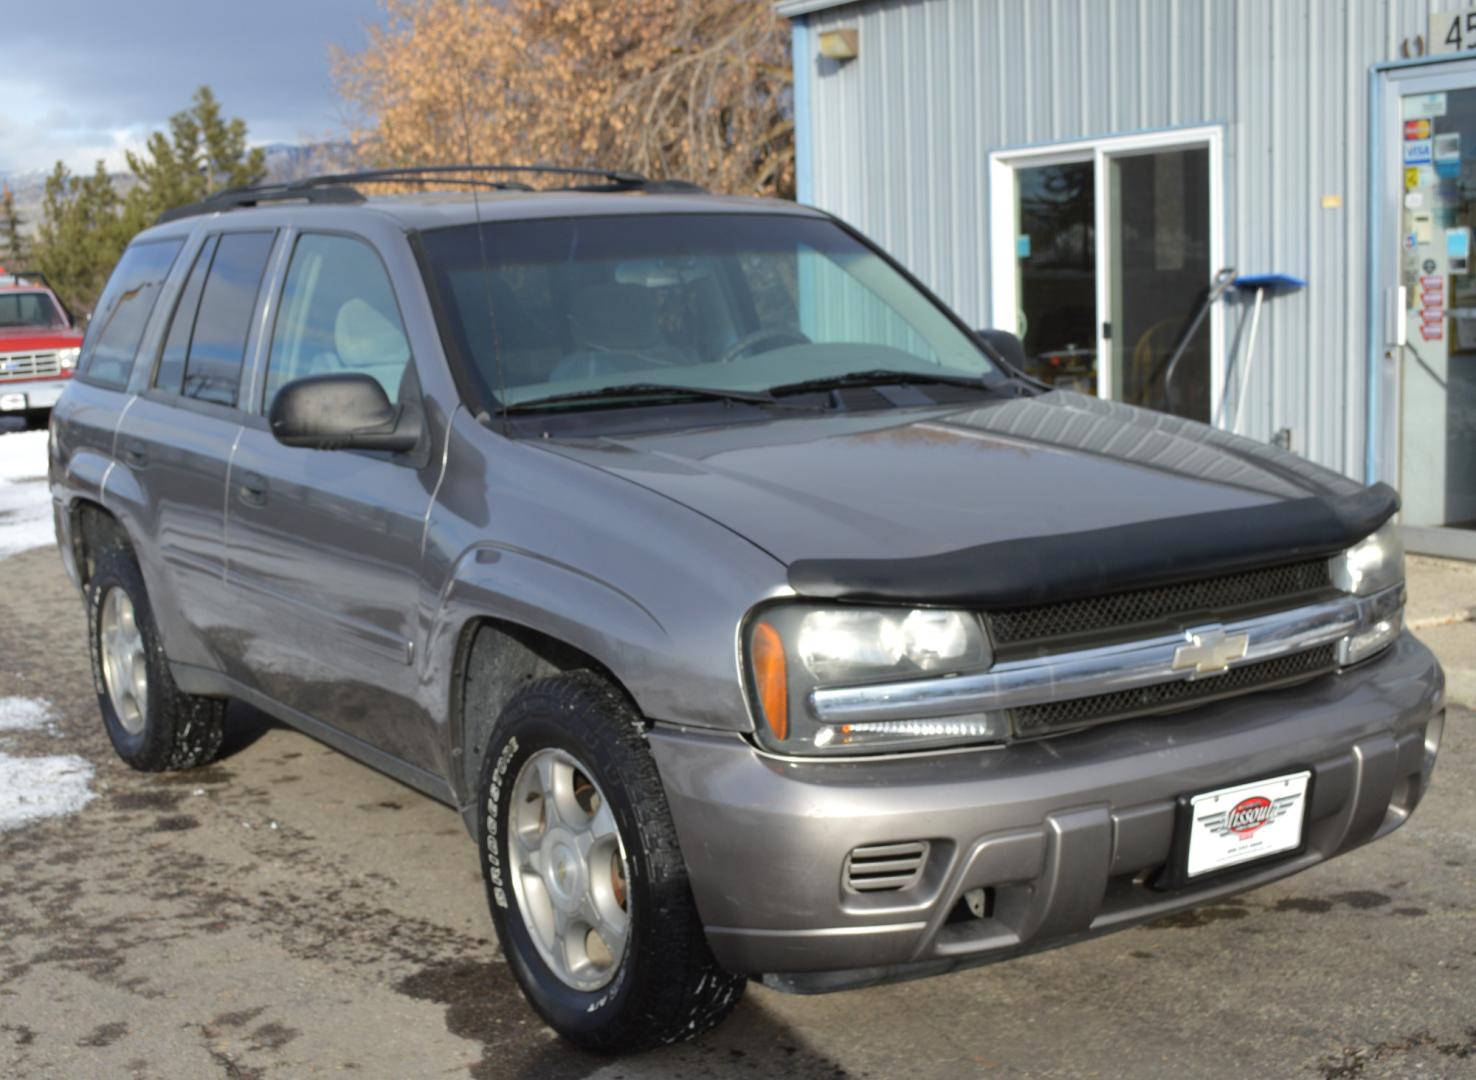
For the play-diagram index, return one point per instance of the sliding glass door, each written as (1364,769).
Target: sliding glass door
(1102,253)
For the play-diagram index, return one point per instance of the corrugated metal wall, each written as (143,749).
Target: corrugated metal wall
(901,138)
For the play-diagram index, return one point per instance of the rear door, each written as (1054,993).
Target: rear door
(325,545)
(178,436)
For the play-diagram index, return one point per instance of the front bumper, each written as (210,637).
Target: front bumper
(21,394)
(1066,834)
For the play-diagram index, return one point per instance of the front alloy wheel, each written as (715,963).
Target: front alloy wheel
(571,872)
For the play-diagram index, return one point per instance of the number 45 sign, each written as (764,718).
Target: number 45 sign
(1452,31)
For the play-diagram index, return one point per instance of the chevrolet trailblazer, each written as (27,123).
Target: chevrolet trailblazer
(760,618)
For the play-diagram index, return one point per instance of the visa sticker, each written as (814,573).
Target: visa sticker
(1418,152)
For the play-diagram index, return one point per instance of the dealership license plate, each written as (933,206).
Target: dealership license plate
(1246,822)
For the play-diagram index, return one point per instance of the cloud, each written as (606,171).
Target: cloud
(94,77)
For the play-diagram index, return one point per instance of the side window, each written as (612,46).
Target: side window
(338,313)
(212,369)
(170,375)
(123,311)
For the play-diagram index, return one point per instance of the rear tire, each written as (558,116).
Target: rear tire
(664,986)
(153,725)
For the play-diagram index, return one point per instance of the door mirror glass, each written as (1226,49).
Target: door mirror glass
(344,411)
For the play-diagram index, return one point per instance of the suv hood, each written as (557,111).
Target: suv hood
(910,484)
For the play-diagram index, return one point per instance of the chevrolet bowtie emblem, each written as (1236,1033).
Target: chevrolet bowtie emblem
(1210,650)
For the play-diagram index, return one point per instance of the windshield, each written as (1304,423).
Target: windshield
(733,302)
(30,309)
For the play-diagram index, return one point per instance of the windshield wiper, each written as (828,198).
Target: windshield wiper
(650,390)
(878,377)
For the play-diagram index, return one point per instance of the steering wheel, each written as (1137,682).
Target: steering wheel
(776,337)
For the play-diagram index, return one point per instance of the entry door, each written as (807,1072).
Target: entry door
(1429,121)
(1102,253)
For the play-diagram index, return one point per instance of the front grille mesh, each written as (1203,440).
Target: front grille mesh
(1121,611)
(28,365)
(1032,720)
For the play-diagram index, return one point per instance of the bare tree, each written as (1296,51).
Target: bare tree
(698,89)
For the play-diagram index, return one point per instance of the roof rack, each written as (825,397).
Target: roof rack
(340,187)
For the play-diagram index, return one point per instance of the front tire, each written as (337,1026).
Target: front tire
(584,876)
(152,724)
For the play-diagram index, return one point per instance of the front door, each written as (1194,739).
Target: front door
(1429,120)
(1102,253)
(324,546)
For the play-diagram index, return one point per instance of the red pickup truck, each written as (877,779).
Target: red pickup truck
(39,345)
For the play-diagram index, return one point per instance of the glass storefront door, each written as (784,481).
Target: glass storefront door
(1437,270)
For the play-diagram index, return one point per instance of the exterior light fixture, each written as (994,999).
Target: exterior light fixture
(839,44)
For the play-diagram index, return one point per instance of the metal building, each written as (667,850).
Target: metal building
(1078,171)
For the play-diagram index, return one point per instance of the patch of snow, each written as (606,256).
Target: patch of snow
(34,788)
(25,497)
(23,714)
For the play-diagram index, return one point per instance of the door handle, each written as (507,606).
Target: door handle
(253,489)
(135,453)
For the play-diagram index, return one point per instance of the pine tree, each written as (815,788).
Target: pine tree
(12,243)
(85,224)
(203,152)
(81,234)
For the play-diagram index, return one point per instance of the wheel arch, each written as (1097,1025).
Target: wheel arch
(493,660)
(92,527)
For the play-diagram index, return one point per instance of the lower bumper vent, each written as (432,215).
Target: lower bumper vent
(885,867)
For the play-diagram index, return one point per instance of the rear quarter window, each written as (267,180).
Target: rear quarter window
(123,312)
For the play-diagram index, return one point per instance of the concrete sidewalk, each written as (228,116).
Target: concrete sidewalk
(1442,613)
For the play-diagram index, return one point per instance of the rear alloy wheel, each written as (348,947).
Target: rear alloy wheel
(153,725)
(585,878)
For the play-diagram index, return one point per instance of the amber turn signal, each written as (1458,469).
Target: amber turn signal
(771,678)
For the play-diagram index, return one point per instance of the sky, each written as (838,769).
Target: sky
(86,79)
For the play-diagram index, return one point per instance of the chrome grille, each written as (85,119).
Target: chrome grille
(1057,716)
(29,365)
(1281,586)
(885,867)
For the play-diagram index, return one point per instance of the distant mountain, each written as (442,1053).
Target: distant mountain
(292,161)
(285,161)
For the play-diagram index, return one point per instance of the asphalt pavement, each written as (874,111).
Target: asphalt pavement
(288,913)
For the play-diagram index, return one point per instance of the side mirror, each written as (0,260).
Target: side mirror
(345,411)
(1005,345)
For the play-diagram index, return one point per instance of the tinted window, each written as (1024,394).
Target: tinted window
(727,301)
(123,311)
(218,344)
(170,375)
(338,313)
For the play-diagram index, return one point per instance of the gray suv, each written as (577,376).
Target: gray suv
(759,617)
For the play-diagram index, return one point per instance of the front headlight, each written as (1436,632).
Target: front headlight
(794,649)
(67,358)
(1372,565)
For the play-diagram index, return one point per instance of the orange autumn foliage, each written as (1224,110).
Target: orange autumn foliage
(691,89)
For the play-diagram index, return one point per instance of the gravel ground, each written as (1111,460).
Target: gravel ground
(290,913)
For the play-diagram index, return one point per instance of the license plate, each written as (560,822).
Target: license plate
(1247,822)
(12,402)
